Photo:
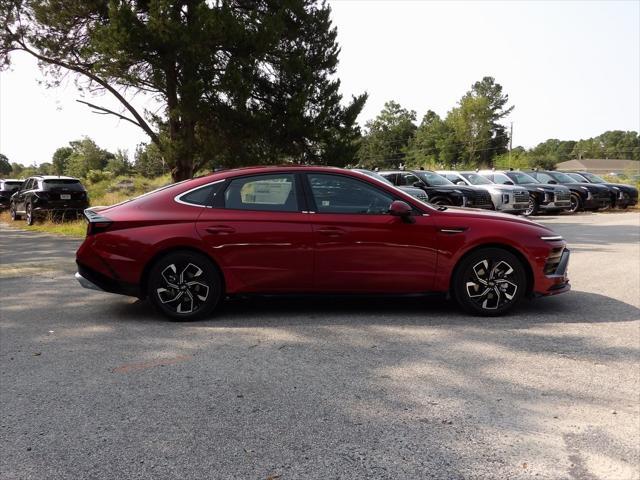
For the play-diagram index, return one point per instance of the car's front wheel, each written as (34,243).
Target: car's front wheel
(576,203)
(184,285)
(489,282)
(532,208)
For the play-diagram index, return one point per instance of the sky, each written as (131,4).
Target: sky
(572,70)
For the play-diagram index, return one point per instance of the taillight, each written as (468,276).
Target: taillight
(96,222)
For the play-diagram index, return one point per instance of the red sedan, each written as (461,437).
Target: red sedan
(312,230)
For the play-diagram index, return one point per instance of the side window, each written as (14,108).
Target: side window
(28,185)
(451,177)
(410,179)
(276,193)
(392,177)
(202,196)
(341,194)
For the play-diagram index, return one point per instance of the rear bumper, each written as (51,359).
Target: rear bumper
(93,280)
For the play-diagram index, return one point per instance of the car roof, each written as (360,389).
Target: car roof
(53,177)
(11,180)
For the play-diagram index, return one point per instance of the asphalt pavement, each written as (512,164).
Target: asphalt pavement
(94,385)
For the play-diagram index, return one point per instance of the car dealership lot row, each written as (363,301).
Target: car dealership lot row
(97,386)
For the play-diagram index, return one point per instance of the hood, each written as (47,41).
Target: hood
(492,215)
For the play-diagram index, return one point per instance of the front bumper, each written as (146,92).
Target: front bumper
(558,281)
(596,203)
(560,205)
(512,207)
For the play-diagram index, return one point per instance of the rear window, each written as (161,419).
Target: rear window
(11,185)
(63,184)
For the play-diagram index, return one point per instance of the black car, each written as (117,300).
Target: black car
(7,188)
(622,196)
(542,197)
(584,195)
(413,191)
(49,195)
(440,190)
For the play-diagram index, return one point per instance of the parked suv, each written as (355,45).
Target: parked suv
(8,188)
(43,194)
(413,191)
(542,197)
(584,195)
(440,190)
(622,196)
(505,198)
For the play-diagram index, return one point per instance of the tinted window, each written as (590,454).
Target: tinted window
(340,194)
(544,177)
(593,178)
(576,177)
(202,196)
(11,186)
(520,178)
(432,179)
(562,178)
(501,178)
(475,179)
(408,179)
(63,184)
(263,192)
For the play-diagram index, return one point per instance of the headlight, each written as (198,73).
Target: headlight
(505,198)
(540,189)
(551,238)
(547,197)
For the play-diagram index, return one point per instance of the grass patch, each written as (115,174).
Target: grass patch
(74,228)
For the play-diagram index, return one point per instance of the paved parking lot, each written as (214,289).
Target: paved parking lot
(96,386)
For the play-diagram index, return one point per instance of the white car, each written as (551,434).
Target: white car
(506,198)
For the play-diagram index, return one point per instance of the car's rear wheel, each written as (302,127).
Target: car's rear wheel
(532,209)
(29,211)
(184,285)
(489,282)
(576,203)
(12,211)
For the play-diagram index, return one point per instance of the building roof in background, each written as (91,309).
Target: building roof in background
(601,165)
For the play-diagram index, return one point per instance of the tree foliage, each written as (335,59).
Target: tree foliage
(5,165)
(387,137)
(236,82)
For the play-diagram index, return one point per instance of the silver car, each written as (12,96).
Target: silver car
(506,198)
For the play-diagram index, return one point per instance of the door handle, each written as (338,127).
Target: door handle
(331,231)
(220,230)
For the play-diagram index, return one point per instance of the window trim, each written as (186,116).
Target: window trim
(313,208)
(301,198)
(178,198)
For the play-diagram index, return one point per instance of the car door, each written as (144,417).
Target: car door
(19,200)
(257,232)
(359,247)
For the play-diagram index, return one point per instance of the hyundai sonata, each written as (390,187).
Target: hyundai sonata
(283,230)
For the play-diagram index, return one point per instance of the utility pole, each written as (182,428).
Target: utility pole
(510,143)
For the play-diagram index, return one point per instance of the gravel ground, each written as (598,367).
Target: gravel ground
(96,386)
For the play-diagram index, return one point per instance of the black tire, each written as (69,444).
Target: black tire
(184,285)
(533,207)
(489,282)
(30,216)
(576,203)
(14,215)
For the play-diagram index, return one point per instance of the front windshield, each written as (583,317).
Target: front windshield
(593,178)
(476,179)
(432,178)
(576,176)
(520,178)
(375,175)
(562,177)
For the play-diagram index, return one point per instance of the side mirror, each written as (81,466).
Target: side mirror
(509,182)
(401,209)
(552,182)
(460,182)
(419,184)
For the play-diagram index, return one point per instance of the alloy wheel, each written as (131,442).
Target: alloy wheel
(491,285)
(183,288)
(531,208)
(575,204)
